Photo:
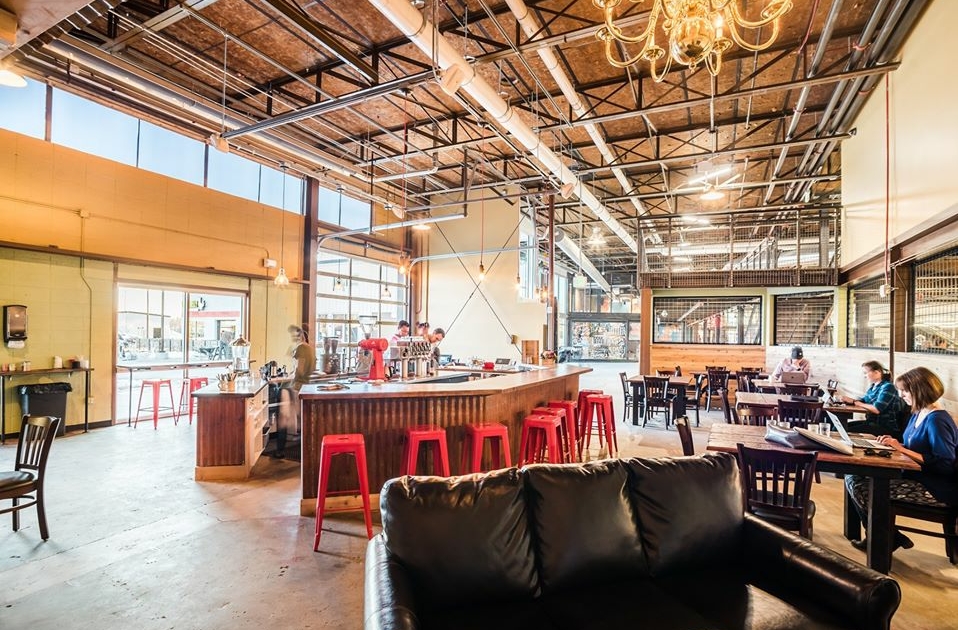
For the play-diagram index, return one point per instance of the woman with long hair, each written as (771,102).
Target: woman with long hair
(881,402)
(930,439)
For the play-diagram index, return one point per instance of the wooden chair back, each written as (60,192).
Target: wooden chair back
(731,415)
(656,389)
(945,516)
(799,413)
(777,485)
(718,379)
(757,416)
(685,435)
(743,381)
(798,390)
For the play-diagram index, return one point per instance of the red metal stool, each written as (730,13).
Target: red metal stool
(599,407)
(187,387)
(342,444)
(580,409)
(541,438)
(567,439)
(571,423)
(474,443)
(425,435)
(155,384)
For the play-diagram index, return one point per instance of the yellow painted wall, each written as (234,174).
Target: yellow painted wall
(923,143)
(477,331)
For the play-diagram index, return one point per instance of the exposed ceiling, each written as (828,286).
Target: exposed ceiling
(334,89)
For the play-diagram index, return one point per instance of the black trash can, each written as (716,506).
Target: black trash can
(46,399)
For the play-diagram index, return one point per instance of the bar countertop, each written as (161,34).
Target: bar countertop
(484,387)
(243,391)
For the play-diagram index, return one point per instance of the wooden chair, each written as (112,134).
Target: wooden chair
(25,481)
(798,390)
(714,367)
(743,381)
(718,380)
(756,370)
(729,411)
(757,416)
(777,485)
(693,397)
(685,435)
(628,397)
(663,372)
(799,413)
(947,517)
(658,398)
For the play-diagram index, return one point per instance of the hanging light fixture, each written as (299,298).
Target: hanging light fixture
(518,283)
(9,78)
(482,272)
(698,31)
(403,264)
(711,193)
(282,280)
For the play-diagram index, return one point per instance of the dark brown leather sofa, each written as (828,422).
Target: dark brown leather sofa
(638,543)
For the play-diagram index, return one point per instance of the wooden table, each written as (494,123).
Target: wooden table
(678,383)
(755,399)
(880,526)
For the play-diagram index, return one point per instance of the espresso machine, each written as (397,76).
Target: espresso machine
(366,352)
(414,355)
(329,361)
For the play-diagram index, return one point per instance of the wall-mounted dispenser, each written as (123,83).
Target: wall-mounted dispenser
(15,325)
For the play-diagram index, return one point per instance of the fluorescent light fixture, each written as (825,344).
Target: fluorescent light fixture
(409,175)
(421,227)
(711,195)
(722,170)
(9,78)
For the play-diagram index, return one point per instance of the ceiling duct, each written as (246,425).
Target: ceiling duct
(423,34)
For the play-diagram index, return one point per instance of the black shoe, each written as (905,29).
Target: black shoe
(861,545)
(901,542)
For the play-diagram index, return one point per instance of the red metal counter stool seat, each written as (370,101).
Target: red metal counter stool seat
(474,443)
(599,408)
(342,444)
(567,443)
(189,386)
(425,435)
(541,439)
(571,423)
(155,385)
(580,409)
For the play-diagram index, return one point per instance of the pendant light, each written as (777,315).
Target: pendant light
(482,234)
(282,280)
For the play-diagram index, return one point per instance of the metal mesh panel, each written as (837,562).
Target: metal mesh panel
(936,304)
(869,316)
(714,320)
(806,319)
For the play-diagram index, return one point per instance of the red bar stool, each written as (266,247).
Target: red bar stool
(541,438)
(580,409)
(567,439)
(599,407)
(425,435)
(155,384)
(187,387)
(572,424)
(474,443)
(342,444)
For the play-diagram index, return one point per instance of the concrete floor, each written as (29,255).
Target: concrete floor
(136,543)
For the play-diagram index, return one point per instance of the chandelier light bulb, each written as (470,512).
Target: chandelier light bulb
(482,272)
(518,283)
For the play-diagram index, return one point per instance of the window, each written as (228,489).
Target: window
(23,110)
(233,175)
(806,319)
(343,210)
(280,190)
(170,154)
(89,127)
(349,287)
(714,320)
(936,304)
(528,256)
(869,316)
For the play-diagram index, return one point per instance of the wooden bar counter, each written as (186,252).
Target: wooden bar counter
(229,430)
(382,412)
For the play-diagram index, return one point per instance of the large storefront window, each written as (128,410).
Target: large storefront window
(349,287)
(869,316)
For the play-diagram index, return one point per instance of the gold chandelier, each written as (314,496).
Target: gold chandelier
(697,31)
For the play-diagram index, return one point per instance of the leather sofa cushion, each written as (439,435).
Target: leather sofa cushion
(461,539)
(583,524)
(689,510)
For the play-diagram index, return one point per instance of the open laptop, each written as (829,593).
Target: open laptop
(856,442)
(794,378)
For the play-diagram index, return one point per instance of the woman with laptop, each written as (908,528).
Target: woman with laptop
(795,363)
(880,403)
(930,439)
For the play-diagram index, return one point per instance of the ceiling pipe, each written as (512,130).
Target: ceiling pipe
(575,254)
(76,53)
(422,33)
(533,30)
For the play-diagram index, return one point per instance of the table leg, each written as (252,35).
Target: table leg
(635,403)
(86,402)
(679,406)
(853,522)
(879,525)
(129,401)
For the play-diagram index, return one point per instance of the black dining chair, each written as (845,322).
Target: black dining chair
(799,413)
(628,397)
(777,486)
(693,395)
(25,481)
(718,380)
(728,410)
(944,515)
(658,398)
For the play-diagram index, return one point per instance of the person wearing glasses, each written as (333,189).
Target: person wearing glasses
(881,402)
(930,439)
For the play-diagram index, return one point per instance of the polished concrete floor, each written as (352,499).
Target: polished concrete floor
(136,543)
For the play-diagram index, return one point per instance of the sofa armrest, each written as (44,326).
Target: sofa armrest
(791,567)
(389,602)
